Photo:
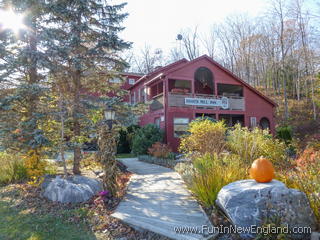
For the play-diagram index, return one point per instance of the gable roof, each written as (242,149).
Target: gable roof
(184,63)
(161,69)
(227,72)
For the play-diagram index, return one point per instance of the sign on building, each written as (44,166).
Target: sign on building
(208,102)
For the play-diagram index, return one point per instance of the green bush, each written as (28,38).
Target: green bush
(125,139)
(144,137)
(251,144)
(12,168)
(130,133)
(284,133)
(123,144)
(212,172)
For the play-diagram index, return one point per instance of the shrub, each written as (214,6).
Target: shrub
(305,177)
(125,139)
(307,181)
(284,133)
(308,157)
(130,134)
(159,150)
(12,168)
(123,144)
(144,138)
(206,137)
(251,144)
(35,166)
(212,172)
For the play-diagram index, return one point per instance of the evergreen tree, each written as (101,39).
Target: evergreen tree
(22,64)
(84,43)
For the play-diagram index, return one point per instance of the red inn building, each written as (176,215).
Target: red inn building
(185,90)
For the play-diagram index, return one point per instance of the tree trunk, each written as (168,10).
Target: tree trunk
(314,108)
(62,135)
(76,123)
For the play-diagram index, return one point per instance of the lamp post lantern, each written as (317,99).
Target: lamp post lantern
(109,115)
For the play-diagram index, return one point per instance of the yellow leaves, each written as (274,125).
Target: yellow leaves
(251,144)
(35,166)
(205,137)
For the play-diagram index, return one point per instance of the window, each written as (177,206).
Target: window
(253,122)
(157,122)
(131,81)
(230,90)
(143,94)
(264,123)
(179,86)
(180,126)
(133,98)
(203,83)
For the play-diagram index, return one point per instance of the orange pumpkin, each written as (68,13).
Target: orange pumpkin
(262,170)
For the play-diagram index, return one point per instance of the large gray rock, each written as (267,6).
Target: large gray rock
(248,203)
(73,189)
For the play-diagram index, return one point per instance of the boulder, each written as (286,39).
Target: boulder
(248,204)
(73,189)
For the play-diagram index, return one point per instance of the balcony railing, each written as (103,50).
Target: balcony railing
(236,103)
(178,100)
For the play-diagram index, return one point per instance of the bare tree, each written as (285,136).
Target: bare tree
(147,60)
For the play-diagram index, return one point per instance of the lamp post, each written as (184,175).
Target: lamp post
(109,115)
(107,150)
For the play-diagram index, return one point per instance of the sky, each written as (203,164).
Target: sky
(157,22)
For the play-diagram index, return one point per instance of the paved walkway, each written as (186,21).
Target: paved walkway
(157,200)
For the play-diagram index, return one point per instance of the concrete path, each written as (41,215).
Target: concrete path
(158,200)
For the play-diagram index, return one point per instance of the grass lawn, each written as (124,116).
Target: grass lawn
(18,221)
(125,155)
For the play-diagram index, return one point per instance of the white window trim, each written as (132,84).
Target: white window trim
(253,122)
(186,122)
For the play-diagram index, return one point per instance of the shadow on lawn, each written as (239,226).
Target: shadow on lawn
(22,220)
